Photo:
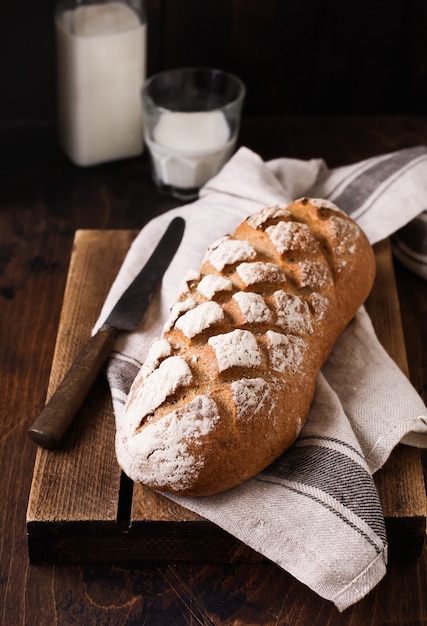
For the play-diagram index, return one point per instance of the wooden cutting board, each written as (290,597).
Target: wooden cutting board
(82,509)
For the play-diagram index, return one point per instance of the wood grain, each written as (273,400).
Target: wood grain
(403,493)
(81,509)
(63,488)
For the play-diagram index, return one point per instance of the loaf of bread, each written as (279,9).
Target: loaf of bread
(227,387)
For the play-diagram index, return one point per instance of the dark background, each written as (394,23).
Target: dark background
(296,56)
(324,64)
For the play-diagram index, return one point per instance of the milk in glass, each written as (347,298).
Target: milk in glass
(189,148)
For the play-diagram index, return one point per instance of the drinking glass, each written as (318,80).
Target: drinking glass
(191,124)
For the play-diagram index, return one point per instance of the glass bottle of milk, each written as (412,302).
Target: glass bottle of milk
(101,65)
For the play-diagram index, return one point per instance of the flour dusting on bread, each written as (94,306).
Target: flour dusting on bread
(228,386)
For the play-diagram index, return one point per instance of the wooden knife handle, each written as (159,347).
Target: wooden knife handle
(53,422)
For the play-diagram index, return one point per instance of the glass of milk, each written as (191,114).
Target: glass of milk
(191,124)
(101,66)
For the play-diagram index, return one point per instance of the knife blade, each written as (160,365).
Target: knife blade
(53,422)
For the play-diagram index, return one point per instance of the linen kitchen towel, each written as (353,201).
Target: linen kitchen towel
(315,511)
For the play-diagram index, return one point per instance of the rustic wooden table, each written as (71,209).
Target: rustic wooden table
(43,200)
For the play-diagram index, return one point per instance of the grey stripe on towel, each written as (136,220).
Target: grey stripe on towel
(366,183)
(337,475)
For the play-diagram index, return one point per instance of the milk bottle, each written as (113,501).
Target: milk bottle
(101,61)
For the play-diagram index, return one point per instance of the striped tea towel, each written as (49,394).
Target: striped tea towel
(315,511)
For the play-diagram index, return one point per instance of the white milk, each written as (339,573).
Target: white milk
(101,53)
(189,148)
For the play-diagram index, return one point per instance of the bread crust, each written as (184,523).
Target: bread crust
(228,386)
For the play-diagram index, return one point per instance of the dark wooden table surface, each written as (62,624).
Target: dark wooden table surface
(43,200)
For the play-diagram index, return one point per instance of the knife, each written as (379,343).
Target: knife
(53,422)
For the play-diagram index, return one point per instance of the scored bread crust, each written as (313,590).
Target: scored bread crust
(227,387)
